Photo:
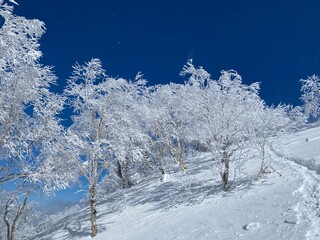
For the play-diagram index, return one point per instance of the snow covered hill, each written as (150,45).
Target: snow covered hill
(283,204)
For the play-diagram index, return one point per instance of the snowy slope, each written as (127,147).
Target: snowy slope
(284,204)
(303,147)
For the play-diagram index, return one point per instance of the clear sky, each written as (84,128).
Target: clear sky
(273,42)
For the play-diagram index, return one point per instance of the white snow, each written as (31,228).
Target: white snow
(250,226)
(282,205)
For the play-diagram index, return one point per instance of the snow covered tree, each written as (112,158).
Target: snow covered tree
(196,104)
(166,125)
(29,125)
(297,117)
(265,125)
(311,95)
(106,132)
(223,108)
(16,212)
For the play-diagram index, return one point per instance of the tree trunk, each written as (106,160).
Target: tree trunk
(180,157)
(93,209)
(161,166)
(6,220)
(262,167)
(12,233)
(127,179)
(225,173)
(124,177)
(8,231)
(119,170)
(162,173)
(9,234)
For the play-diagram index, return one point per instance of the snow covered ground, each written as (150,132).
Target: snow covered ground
(283,204)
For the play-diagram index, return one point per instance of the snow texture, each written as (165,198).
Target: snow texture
(281,205)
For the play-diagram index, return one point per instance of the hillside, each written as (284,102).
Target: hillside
(283,204)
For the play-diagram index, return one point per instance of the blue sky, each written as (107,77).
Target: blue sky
(273,42)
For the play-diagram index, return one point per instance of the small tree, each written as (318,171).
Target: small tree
(266,124)
(15,208)
(311,95)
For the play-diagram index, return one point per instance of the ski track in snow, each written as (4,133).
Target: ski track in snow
(308,209)
(192,206)
(301,152)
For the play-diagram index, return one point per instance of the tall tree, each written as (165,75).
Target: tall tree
(29,125)
(106,130)
(222,113)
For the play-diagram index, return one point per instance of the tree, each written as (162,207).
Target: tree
(24,96)
(30,130)
(266,124)
(223,108)
(16,212)
(106,130)
(20,78)
(311,95)
(166,124)
(29,126)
